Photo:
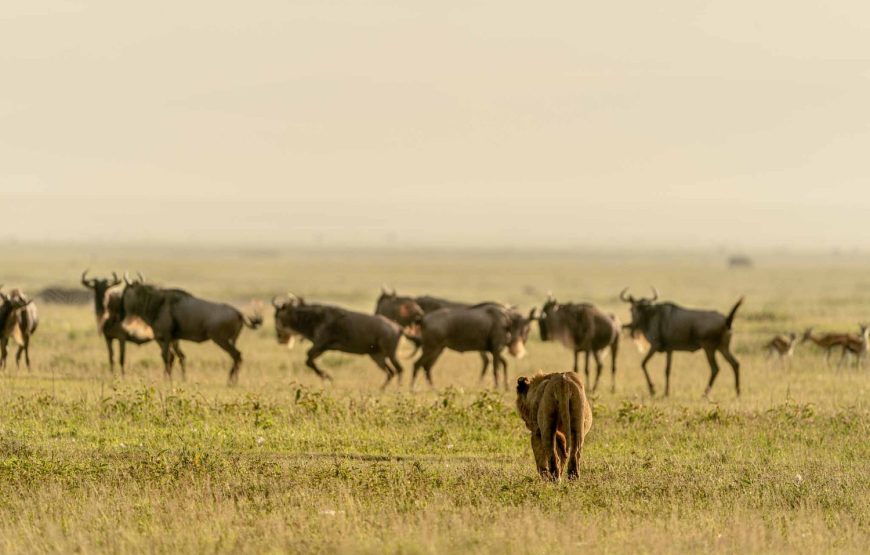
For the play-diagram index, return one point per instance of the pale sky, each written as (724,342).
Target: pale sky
(474,123)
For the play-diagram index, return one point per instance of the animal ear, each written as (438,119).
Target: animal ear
(522,385)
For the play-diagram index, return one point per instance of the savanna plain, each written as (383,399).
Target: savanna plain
(97,462)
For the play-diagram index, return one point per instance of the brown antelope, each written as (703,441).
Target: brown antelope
(857,346)
(782,346)
(828,341)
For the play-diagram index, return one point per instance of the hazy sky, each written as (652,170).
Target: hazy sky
(464,123)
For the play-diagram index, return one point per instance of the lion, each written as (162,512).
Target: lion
(554,405)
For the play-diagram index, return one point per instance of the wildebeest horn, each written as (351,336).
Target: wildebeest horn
(127,278)
(623,298)
(115,279)
(532,314)
(386,291)
(85,281)
(141,277)
(655,293)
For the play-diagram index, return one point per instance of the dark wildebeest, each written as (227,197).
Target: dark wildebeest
(392,306)
(174,314)
(18,320)
(404,311)
(331,328)
(669,327)
(581,327)
(486,328)
(108,309)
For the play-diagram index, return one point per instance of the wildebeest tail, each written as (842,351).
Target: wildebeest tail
(255,320)
(731,314)
(415,339)
(252,322)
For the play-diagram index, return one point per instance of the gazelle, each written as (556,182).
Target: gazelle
(827,341)
(782,346)
(857,347)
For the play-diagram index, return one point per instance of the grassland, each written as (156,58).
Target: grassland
(91,462)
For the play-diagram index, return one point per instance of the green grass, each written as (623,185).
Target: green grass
(91,462)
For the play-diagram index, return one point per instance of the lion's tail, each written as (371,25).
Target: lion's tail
(565,415)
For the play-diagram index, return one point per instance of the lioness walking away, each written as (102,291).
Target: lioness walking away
(551,405)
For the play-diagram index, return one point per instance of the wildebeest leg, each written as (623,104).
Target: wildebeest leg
(496,362)
(649,355)
(586,368)
(714,368)
(167,359)
(828,357)
(599,366)
(504,367)
(314,352)
(485,360)
(228,346)
(426,361)
(576,362)
(181,358)
(122,355)
(669,356)
(397,367)
(381,361)
(614,350)
(735,365)
(25,350)
(111,355)
(3,352)
(427,366)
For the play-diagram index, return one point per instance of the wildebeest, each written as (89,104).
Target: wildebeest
(18,320)
(782,346)
(391,305)
(669,327)
(582,327)
(331,328)
(739,261)
(175,314)
(486,328)
(405,311)
(110,323)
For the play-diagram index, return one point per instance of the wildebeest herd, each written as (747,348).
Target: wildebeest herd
(553,406)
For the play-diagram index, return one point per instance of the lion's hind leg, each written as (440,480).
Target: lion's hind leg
(560,454)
